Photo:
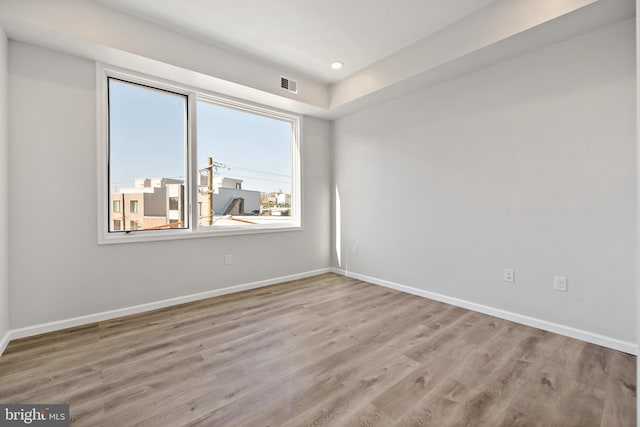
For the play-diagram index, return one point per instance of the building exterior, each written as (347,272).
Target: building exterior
(283,199)
(229,198)
(155,203)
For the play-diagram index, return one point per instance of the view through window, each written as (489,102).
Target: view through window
(147,156)
(245,162)
(248,157)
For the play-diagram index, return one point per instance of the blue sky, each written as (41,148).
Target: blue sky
(148,132)
(253,147)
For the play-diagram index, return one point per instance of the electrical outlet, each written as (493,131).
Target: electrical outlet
(228,259)
(560,283)
(509,275)
(354,249)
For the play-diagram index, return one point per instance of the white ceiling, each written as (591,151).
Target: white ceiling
(305,36)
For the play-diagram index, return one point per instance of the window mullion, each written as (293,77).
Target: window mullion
(192,156)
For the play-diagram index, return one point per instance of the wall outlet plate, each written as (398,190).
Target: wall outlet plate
(560,283)
(509,275)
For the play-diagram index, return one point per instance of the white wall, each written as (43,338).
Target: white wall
(4,193)
(637,23)
(528,164)
(57,269)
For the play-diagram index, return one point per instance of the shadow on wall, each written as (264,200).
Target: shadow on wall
(338,229)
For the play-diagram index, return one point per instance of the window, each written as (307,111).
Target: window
(174,203)
(173,148)
(249,155)
(147,148)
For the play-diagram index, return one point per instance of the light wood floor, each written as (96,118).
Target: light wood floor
(324,351)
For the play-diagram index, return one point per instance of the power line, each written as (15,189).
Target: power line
(262,179)
(258,171)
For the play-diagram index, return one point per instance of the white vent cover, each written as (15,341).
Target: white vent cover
(288,84)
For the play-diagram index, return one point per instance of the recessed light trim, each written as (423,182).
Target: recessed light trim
(337,65)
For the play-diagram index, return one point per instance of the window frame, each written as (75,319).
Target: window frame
(193,94)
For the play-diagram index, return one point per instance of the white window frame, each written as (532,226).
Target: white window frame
(103,72)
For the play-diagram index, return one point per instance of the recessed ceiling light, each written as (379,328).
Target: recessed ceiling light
(337,65)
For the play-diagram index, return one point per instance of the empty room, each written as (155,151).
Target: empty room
(318,213)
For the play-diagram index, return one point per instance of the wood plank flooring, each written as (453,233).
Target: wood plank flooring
(323,351)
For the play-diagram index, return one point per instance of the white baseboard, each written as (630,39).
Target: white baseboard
(4,342)
(106,315)
(625,346)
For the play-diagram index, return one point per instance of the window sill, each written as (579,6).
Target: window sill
(156,236)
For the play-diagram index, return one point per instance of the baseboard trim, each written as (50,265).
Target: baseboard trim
(625,346)
(4,342)
(112,314)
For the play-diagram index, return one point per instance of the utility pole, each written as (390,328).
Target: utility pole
(124,224)
(210,188)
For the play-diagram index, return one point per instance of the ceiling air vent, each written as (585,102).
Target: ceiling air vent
(288,84)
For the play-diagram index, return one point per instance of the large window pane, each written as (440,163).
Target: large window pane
(245,167)
(147,163)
